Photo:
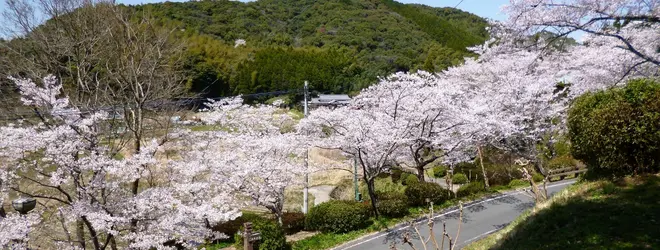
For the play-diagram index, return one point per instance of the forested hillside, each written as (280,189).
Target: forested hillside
(337,45)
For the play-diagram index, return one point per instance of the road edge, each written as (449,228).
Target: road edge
(443,212)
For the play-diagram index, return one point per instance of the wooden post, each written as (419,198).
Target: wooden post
(247,244)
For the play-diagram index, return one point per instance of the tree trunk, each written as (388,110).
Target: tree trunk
(371,188)
(420,173)
(483,169)
(80,233)
(113,244)
(92,233)
(136,183)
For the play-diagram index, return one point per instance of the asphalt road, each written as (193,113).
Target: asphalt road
(479,220)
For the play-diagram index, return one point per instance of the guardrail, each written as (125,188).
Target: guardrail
(563,172)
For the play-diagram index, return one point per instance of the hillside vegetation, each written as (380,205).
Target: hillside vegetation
(337,45)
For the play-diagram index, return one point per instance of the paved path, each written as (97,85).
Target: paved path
(321,193)
(443,183)
(479,219)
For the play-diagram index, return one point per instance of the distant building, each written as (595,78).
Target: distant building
(330,100)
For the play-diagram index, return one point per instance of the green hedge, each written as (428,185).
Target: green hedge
(272,235)
(616,131)
(418,193)
(470,188)
(411,179)
(338,216)
(396,175)
(394,208)
(383,195)
(230,228)
(439,171)
(293,222)
(459,178)
(537,177)
(403,177)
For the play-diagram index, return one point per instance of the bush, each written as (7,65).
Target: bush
(439,171)
(396,175)
(293,222)
(470,188)
(459,178)
(390,195)
(562,162)
(272,235)
(411,179)
(615,132)
(383,175)
(517,183)
(418,193)
(393,208)
(392,204)
(232,227)
(403,177)
(338,216)
(537,177)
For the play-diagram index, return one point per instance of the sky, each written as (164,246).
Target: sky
(483,8)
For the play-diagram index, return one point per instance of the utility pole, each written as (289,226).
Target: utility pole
(355,180)
(306,190)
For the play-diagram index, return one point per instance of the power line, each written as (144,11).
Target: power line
(459,3)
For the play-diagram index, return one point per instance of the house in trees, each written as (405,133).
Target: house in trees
(330,100)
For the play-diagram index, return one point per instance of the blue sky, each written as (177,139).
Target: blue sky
(483,8)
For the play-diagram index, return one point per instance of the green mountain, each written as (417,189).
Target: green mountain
(337,45)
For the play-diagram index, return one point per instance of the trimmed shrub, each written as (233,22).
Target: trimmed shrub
(470,188)
(393,208)
(517,183)
(392,204)
(383,175)
(537,177)
(411,179)
(383,195)
(403,177)
(338,216)
(232,227)
(615,132)
(396,175)
(418,193)
(562,162)
(293,222)
(439,171)
(272,236)
(459,178)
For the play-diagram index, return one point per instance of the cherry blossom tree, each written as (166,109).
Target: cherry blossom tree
(629,25)
(256,146)
(368,136)
(66,162)
(429,109)
(513,99)
(521,87)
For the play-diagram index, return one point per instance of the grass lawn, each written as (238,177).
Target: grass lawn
(590,215)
